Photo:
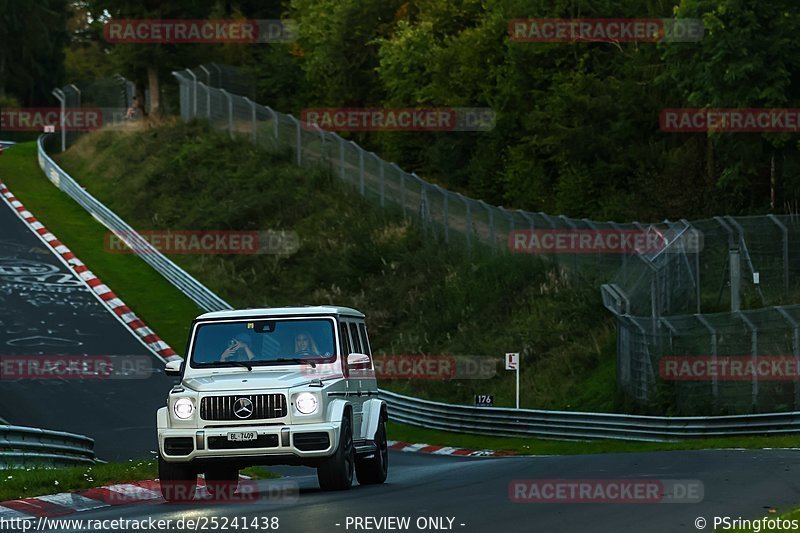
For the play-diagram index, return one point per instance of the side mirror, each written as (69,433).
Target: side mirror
(358,360)
(174,368)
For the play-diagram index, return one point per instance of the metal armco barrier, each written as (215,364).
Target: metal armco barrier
(566,425)
(188,285)
(24,446)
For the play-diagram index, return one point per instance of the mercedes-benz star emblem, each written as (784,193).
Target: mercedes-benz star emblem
(243,408)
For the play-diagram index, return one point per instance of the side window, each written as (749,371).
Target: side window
(362,329)
(344,339)
(354,336)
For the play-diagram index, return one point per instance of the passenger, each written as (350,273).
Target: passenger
(238,349)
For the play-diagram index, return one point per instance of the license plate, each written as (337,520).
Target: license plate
(242,436)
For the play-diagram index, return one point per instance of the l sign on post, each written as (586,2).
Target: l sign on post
(512,363)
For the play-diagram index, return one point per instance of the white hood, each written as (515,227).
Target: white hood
(258,379)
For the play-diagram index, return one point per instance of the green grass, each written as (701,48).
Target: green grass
(18,483)
(165,309)
(411,434)
(420,296)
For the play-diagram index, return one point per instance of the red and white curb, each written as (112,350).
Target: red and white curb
(103,292)
(86,500)
(445,450)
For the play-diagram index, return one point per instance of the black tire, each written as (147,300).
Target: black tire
(373,470)
(222,482)
(178,481)
(337,471)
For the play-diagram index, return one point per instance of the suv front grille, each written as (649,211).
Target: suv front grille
(263,406)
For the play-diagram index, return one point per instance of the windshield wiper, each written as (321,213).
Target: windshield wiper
(294,360)
(248,366)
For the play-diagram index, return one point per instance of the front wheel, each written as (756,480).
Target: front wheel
(222,482)
(373,470)
(336,472)
(178,481)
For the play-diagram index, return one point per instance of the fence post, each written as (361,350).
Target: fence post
(208,91)
(298,140)
(785,232)
(381,177)
(341,158)
(468,216)
(253,108)
(713,331)
(360,168)
(403,191)
(402,174)
(274,123)
(795,349)
(736,278)
(491,220)
(59,94)
(445,221)
(194,93)
(230,112)
(754,349)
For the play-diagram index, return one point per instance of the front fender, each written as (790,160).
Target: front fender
(336,410)
(162,420)
(374,411)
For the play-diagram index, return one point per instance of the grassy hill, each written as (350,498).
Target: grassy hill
(420,296)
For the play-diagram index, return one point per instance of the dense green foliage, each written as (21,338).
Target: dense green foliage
(578,123)
(577,128)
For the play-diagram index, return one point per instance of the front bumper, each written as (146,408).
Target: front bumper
(293,442)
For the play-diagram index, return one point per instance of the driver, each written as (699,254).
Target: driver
(238,349)
(304,345)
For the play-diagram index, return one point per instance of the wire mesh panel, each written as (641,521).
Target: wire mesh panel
(656,291)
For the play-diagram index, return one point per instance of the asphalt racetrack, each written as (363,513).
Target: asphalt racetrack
(473,492)
(46,313)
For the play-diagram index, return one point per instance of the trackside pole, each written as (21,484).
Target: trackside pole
(512,363)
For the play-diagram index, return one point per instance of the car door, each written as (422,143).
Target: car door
(355,380)
(369,383)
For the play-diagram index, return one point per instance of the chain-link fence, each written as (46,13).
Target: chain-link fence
(657,295)
(109,98)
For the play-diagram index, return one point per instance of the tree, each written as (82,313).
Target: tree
(32,40)
(748,58)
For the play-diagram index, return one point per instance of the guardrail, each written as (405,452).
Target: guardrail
(566,425)
(24,446)
(188,285)
(560,425)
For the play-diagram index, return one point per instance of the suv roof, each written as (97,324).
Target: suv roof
(284,311)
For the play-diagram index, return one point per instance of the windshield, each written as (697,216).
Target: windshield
(265,342)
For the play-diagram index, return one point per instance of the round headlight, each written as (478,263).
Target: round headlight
(183,408)
(306,403)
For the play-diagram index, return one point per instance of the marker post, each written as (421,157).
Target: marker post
(512,363)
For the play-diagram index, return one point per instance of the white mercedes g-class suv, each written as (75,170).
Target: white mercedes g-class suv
(292,385)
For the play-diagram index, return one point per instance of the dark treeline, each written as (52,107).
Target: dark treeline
(577,128)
